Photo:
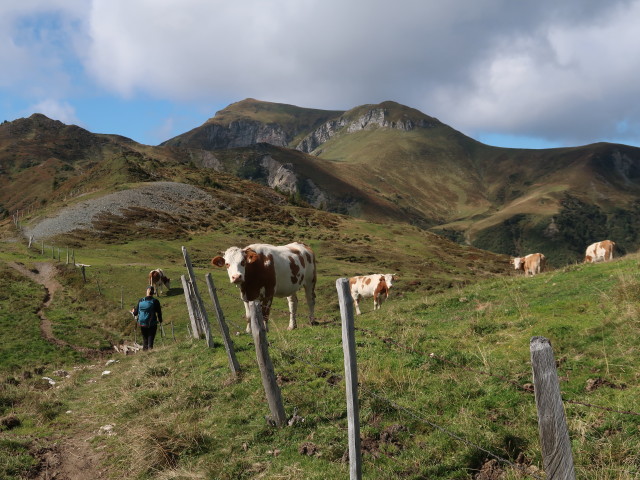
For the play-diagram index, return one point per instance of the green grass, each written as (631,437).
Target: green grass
(178,414)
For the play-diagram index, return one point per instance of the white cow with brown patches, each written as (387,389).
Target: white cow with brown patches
(265,271)
(158,279)
(531,264)
(376,286)
(599,252)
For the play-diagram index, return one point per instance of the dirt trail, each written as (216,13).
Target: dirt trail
(44,274)
(69,458)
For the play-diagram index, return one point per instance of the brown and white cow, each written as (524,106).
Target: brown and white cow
(376,286)
(157,279)
(265,271)
(599,252)
(531,264)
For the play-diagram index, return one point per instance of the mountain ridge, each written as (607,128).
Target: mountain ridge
(381,162)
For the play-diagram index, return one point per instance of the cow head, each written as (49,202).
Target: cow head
(235,260)
(389,278)
(518,263)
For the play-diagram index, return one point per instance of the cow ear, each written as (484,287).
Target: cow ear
(251,256)
(217,261)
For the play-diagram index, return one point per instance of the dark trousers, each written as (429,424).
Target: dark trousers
(148,336)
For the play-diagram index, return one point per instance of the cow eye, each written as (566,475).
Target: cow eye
(226,265)
(242,263)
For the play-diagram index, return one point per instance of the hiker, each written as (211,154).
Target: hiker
(148,313)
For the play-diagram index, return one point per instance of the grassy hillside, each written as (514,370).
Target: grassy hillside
(423,172)
(443,365)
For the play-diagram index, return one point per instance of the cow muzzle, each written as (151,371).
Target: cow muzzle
(236,279)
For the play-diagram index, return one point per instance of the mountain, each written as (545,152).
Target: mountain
(408,166)
(383,162)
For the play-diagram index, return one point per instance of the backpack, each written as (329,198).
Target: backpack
(146,312)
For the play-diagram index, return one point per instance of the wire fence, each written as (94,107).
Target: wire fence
(417,416)
(369,391)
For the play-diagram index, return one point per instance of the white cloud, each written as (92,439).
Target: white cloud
(560,70)
(37,38)
(56,110)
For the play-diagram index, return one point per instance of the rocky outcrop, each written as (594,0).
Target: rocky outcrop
(320,135)
(279,176)
(373,118)
(240,133)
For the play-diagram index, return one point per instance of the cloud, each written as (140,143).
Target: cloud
(56,110)
(564,71)
(39,44)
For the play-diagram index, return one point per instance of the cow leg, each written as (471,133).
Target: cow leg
(293,308)
(266,310)
(247,315)
(310,295)
(356,303)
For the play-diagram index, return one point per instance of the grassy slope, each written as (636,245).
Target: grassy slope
(177,415)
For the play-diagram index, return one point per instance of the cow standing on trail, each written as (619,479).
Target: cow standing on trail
(265,271)
(157,279)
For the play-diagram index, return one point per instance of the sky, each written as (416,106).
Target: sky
(511,73)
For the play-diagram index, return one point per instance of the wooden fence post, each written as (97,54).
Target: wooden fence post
(224,330)
(198,299)
(197,311)
(351,377)
(192,315)
(271,389)
(552,423)
(84,275)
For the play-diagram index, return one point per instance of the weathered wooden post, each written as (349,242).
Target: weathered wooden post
(198,298)
(271,388)
(121,288)
(224,330)
(192,315)
(42,247)
(67,256)
(197,313)
(552,423)
(84,275)
(351,377)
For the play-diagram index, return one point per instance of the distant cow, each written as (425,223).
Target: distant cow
(157,279)
(599,252)
(265,271)
(531,264)
(376,286)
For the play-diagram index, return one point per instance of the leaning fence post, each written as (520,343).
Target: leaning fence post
(224,330)
(351,377)
(271,389)
(192,317)
(197,311)
(552,423)
(198,298)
